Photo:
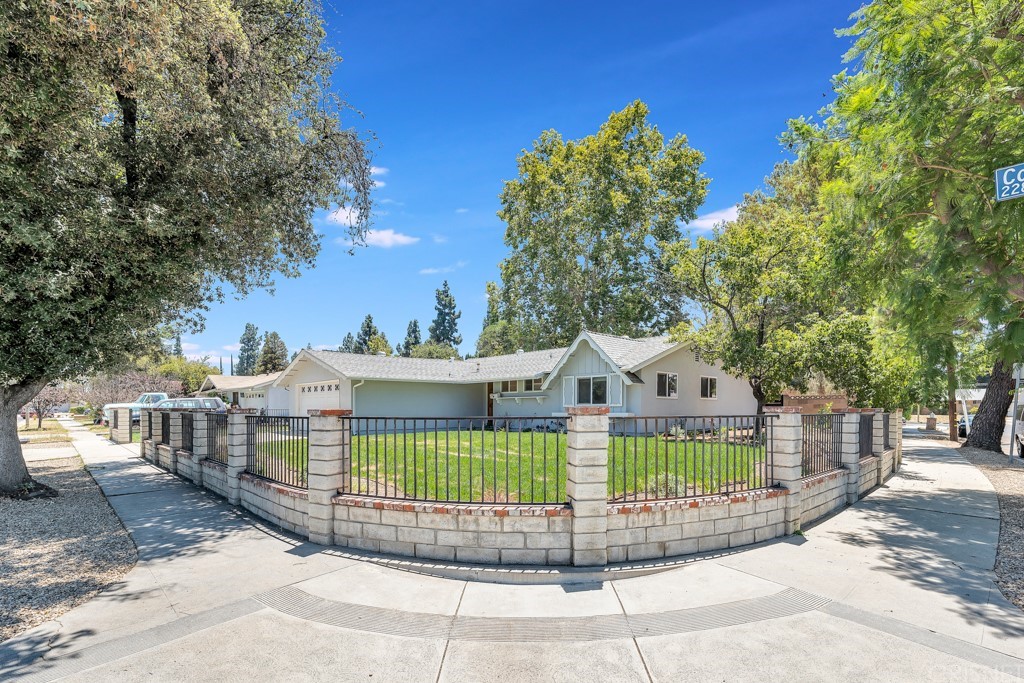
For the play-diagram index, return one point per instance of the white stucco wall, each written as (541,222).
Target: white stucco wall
(734,395)
(418,399)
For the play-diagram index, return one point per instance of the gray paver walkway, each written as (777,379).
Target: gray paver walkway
(897,587)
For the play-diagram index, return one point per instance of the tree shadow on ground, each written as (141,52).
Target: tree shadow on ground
(938,539)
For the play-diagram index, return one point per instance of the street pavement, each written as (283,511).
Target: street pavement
(898,587)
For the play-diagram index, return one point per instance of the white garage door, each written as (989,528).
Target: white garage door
(318,396)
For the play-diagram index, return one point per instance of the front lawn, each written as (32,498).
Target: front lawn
(524,467)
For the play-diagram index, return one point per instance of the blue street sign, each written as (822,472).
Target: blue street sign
(1010,183)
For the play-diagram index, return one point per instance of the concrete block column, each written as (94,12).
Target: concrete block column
(237,446)
(878,443)
(895,435)
(587,484)
(176,441)
(145,420)
(849,444)
(121,425)
(786,433)
(199,446)
(330,464)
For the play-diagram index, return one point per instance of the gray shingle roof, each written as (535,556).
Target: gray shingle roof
(236,382)
(629,353)
(492,369)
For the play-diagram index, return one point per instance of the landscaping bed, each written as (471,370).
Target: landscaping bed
(56,553)
(1008,480)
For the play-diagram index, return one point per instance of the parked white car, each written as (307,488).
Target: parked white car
(146,400)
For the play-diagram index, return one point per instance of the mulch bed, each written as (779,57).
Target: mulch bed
(56,553)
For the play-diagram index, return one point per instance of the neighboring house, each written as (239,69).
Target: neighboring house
(643,377)
(249,391)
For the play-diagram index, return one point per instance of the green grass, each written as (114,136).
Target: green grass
(527,467)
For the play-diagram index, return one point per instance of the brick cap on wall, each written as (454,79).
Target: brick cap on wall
(782,409)
(329,412)
(587,410)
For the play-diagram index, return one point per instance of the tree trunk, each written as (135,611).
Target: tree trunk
(990,420)
(39,418)
(758,393)
(951,386)
(13,472)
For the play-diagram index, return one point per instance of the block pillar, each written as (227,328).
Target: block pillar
(330,466)
(587,484)
(199,446)
(849,446)
(237,447)
(121,426)
(786,441)
(896,437)
(145,430)
(176,441)
(878,443)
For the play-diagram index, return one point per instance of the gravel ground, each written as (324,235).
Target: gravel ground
(56,553)
(1008,481)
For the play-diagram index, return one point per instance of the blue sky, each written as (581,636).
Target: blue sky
(454,91)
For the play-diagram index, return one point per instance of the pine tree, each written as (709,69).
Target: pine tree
(273,355)
(248,351)
(177,346)
(445,328)
(348,344)
(412,339)
(221,365)
(366,332)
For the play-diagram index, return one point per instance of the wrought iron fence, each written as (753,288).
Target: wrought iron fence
(277,448)
(821,445)
(488,460)
(885,431)
(186,431)
(114,420)
(867,422)
(217,437)
(149,424)
(275,412)
(133,428)
(165,428)
(656,458)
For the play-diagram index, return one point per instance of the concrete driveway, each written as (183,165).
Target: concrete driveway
(898,587)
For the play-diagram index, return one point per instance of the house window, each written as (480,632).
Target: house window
(510,386)
(709,387)
(667,384)
(592,390)
(531,384)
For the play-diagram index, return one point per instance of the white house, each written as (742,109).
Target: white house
(249,391)
(634,377)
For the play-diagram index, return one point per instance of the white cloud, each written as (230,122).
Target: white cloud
(189,347)
(709,220)
(461,210)
(439,239)
(378,183)
(444,269)
(391,201)
(378,170)
(232,347)
(345,215)
(382,238)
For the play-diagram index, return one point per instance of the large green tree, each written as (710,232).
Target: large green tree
(155,155)
(445,328)
(273,355)
(933,107)
(587,221)
(348,344)
(248,350)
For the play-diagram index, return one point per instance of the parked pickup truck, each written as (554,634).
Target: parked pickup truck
(144,401)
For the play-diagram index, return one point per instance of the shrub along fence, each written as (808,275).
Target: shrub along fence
(602,489)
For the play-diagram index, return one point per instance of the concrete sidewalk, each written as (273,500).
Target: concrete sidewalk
(897,587)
